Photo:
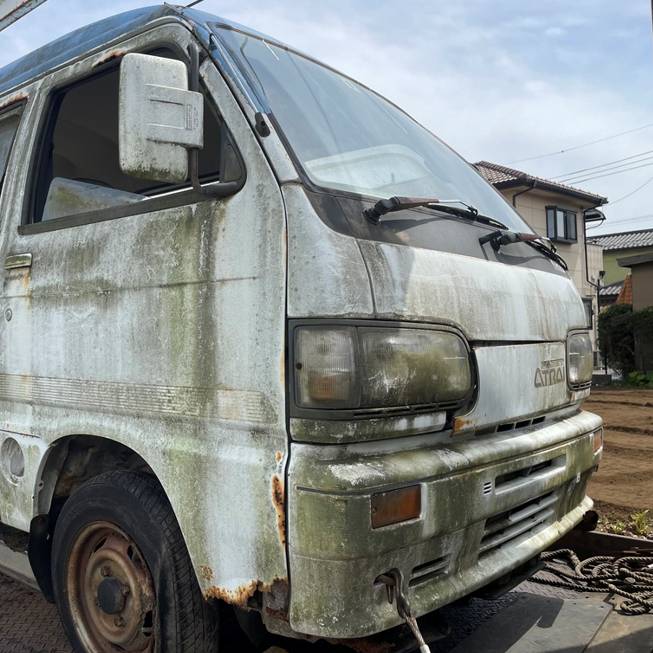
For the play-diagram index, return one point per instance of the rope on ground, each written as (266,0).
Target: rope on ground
(630,577)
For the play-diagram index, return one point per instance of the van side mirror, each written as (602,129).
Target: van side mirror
(159,118)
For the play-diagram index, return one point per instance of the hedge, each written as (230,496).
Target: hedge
(626,338)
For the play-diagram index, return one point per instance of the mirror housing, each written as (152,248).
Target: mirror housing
(159,118)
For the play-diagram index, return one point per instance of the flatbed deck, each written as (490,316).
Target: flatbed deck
(532,618)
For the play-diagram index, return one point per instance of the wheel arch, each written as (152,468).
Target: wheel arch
(70,461)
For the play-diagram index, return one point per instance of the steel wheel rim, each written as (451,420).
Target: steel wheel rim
(110,591)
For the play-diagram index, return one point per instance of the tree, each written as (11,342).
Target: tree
(616,337)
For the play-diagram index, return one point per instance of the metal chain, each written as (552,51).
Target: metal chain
(630,577)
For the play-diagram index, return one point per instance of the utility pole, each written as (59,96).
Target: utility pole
(12,10)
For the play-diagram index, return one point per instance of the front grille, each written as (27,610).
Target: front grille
(512,426)
(529,473)
(520,521)
(429,570)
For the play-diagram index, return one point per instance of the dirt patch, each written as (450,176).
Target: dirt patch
(623,485)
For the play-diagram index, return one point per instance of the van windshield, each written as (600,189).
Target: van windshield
(348,138)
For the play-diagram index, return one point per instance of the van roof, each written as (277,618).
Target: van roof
(95,36)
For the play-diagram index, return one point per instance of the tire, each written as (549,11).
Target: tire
(122,577)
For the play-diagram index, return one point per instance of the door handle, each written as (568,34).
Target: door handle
(18,261)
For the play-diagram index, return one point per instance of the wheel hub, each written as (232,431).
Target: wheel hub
(111,591)
(111,595)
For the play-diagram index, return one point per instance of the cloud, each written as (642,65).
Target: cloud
(554,32)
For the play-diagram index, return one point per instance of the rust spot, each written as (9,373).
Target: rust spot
(461,424)
(241,595)
(278,501)
(25,279)
(278,456)
(114,54)
(13,99)
(206,573)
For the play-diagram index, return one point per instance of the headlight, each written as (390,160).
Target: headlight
(580,360)
(366,367)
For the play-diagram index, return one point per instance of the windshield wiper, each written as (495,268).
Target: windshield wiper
(506,237)
(396,203)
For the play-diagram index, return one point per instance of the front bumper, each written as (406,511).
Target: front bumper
(489,504)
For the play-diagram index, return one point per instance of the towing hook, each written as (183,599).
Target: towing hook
(394,583)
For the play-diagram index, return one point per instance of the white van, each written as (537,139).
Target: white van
(266,341)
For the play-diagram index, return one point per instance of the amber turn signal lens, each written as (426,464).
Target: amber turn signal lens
(396,506)
(597,440)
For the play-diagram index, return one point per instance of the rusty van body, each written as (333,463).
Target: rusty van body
(325,387)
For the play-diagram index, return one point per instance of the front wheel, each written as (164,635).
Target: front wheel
(122,577)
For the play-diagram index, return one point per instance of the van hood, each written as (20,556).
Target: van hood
(487,300)
(334,275)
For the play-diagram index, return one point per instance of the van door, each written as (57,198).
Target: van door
(14,322)
(157,314)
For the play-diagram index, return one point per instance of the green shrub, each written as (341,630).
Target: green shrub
(640,379)
(616,337)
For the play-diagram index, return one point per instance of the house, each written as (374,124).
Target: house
(641,279)
(561,213)
(610,294)
(620,245)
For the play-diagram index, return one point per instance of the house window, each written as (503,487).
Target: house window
(561,224)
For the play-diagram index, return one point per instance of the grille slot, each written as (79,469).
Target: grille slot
(529,473)
(517,522)
(522,424)
(429,570)
(488,486)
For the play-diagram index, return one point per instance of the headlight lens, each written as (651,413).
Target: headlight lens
(325,365)
(379,367)
(580,360)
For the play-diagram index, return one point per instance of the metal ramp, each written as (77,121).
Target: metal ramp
(536,623)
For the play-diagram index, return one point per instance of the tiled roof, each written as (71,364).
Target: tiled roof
(611,290)
(624,239)
(505,177)
(632,261)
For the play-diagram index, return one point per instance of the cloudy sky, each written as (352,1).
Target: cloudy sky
(508,81)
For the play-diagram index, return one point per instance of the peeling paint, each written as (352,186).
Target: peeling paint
(13,99)
(109,56)
(241,594)
(279,503)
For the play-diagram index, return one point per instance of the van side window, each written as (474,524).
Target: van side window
(8,128)
(78,167)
